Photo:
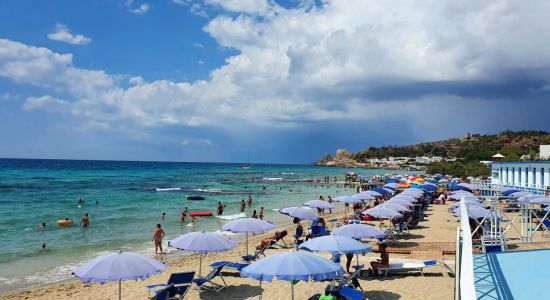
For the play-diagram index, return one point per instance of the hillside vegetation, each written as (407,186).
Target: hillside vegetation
(466,152)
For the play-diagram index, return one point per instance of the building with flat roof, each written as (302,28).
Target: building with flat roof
(524,174)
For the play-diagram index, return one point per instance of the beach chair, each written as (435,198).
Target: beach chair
(350,294)
(162,294)
(229,265)
(409,266)
(280,237)
(206,283)
(545,225)
(180,283)
(256,255)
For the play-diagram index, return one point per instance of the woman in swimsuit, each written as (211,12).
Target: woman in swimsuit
(157,238)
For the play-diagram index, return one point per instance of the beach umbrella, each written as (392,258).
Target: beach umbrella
(459,196)
(473,212)
(392,185)
(467,201)
(540,200)
(248,225)
(301,213)
(409,198)
(363,196)
(292,265)
(202,243)
(471,187)
(287,209)
(400,201)
(119,266)
(429,187)
(319,204)
(381,212)
(394,206)
(380,191)
(359,231)
(389,190)
(347,199)
(336,244)
(372,193)
(520,194)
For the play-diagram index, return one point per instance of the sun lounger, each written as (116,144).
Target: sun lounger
(180,283)
(229,265)
(409,266)
(163,293)
(280,237)
(350,294)
(257,254)
(207,283)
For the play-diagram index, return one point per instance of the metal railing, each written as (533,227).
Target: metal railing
(465,260)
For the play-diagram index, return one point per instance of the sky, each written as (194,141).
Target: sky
(286,81)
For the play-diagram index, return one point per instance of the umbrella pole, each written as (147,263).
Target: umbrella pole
(200,265)
(247,243)
(357,255)
(119,290)
(291,290)
(262,291)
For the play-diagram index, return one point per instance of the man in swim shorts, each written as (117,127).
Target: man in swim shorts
(220,209)
(85,221)
(157,239)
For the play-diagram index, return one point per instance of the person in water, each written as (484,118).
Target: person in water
(163,216)
(254,215)
(43,248)
(193,220)
(97,202)
(384,260)
(219,209)
(261,213)
(182,217)
(249,201)
(80,201)
(243,205)
(42,227)
(157,239)
(185,211)
(85,221)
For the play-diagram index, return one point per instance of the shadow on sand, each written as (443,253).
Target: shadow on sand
(381,295)
(233,292)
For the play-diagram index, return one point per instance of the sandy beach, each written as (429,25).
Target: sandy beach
(432,239)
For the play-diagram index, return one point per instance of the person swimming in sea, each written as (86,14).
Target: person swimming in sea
(163,216)
(42,227)
(85,221)
(80,201)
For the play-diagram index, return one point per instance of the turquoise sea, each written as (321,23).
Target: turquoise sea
(37,191)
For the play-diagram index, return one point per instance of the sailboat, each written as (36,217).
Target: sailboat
(247,166)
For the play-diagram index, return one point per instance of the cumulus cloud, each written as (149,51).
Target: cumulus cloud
(63,34)
(47,102)
(139,9)
(350,61)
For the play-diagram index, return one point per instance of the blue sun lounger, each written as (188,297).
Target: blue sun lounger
(207,283)
(229,265)
(180,283)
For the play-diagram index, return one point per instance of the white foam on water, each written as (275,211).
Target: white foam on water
(272,178)
(167,189)
(232,217)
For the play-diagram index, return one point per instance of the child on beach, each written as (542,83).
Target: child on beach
(157,238)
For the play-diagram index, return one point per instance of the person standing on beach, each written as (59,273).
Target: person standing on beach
(243,205)
(261,213)
(329,201)
(249,201)
(85,221)
(157,238)
(220,209)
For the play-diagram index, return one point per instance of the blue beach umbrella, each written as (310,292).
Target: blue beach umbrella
(393,185)
(202,243)
(248,225)
(371,193)
(429,187)
(290,266)
(119,266)
(301,213)
(359,231)
(394,206)
(335,244)
(509,191)
(381,212)
(380,191)
(347,199)
(400,201)
(473,212)
(319,204)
